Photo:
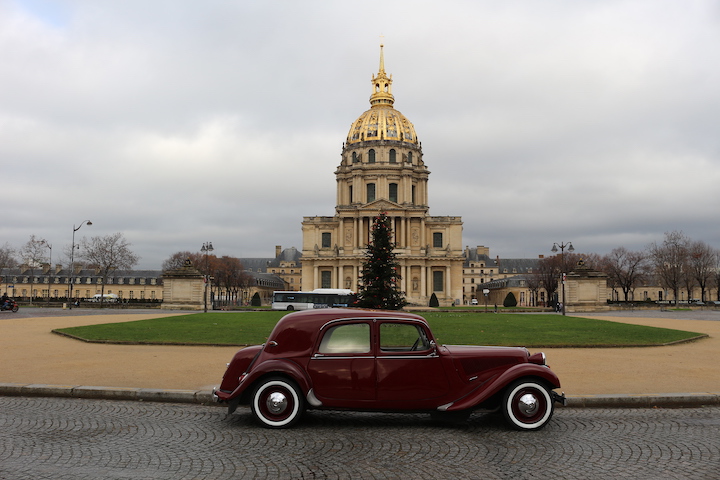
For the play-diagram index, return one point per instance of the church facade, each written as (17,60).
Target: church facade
(382,169)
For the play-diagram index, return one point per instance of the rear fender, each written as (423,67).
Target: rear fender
(499,383)
(284,367)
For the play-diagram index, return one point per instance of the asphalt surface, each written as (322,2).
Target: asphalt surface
(39,363)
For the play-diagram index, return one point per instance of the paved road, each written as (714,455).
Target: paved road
(59,438)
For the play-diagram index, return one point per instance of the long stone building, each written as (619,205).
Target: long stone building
(382,169)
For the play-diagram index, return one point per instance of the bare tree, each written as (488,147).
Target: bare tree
(701,263)
(108,253)
(548,273)
(33,254)
(177,260)
(534,285)
(230,277)
(669,260)
(716,274)
(7,259)
(625,269)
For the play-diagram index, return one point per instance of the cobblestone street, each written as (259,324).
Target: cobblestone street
(60,438)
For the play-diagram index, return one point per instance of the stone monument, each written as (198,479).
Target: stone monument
(183,288)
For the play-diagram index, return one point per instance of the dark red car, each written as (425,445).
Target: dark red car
(384,361)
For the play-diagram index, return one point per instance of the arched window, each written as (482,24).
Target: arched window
(413,195)
(409,157)
(371,156)
(393,156)
(354,157)
(393,192)
(350,194)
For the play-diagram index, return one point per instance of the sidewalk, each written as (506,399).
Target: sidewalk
(37,362)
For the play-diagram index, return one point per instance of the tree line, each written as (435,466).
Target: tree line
(106,253)
(677,264)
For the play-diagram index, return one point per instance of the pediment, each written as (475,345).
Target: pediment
(381,205)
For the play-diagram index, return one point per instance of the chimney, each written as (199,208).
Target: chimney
(278,250)
(541,257)
(45,268)
(58,268)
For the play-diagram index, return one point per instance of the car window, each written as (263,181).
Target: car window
(402,337)
(353,338)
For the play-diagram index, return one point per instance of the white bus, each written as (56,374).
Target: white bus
(318,298)
(107,298)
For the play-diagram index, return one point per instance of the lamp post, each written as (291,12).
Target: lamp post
(72,259)
(45,242)
(207,247)
(554,249)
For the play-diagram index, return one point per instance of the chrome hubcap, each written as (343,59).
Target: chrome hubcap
(528,404)
(276,403)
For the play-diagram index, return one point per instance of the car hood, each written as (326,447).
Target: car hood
(484,362)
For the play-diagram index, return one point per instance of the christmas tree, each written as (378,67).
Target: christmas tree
(380,278)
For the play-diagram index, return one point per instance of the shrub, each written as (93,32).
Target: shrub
(434,301)
(510,300)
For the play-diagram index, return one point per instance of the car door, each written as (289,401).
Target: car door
(342,369)
(409,371)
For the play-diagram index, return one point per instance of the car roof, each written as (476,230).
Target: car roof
(316,318)
(295,334)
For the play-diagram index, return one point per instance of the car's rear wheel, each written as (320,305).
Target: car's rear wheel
(277,403)
(527,405)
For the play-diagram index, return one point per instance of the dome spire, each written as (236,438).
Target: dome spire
(382,86)
(382,59)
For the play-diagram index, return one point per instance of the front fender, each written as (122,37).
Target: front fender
(496,385)
(272,367)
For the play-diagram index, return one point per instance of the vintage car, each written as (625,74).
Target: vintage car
(352,359)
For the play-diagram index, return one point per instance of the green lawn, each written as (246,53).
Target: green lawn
(250,328)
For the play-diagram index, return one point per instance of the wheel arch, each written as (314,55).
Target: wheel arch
(275,368)
(491,392)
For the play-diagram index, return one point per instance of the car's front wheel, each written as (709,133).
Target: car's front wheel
(277,403)
(527,405)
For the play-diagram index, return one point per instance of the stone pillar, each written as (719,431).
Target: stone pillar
(586,290)
(183,288)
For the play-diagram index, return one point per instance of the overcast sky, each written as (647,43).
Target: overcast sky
(179,122)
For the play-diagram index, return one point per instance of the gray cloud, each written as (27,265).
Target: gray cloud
(178,123)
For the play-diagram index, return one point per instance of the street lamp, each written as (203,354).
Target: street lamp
(72,259)
(45,242)
(554,249)
(206,249)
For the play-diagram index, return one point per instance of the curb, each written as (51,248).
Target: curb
(652,400)
(204,397)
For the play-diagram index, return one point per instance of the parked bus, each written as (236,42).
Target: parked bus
(107,298)
(318,298)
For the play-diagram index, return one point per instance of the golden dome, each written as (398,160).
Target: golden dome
(382,121)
